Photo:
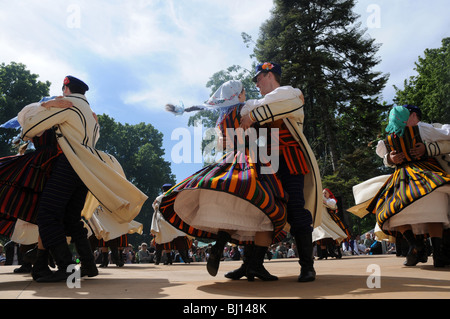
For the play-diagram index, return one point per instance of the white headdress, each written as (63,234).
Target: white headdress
(226,95)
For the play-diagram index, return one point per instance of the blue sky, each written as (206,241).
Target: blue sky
(138,55)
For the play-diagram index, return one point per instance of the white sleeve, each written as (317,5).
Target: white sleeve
(381,149)
(429,133)
(330,203)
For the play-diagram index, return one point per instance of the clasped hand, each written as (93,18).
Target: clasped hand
(398,157)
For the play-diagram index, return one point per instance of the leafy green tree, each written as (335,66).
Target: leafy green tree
(138,148)
(430,88)
(18,88)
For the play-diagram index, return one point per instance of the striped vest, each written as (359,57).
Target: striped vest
(404,143)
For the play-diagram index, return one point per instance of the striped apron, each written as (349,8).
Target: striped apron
(238,175)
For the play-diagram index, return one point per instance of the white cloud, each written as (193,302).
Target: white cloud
(205,39)
(170,48)
(406,29)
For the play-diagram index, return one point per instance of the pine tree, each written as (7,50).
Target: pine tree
(324,52)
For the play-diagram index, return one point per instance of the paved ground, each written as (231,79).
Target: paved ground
(349,277)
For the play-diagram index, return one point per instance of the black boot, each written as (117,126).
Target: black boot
(115,257)
(255,266)
(216,254)
(415,249)
(88,266)
(445,245)
(305,255)
(158,256)
(105,260)
(242,271)
(121,259)
(439,258)
(25,268)
(422,253)
(40,267)
(168,260)
(398,246)
(63,258)
(185,256)
(323,253)
(30,255)
(331,251)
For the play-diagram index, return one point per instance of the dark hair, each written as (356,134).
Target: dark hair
(414,109)
(75,88)
(277,77)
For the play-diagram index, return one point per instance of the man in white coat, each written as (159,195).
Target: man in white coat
(79,169)
(304,206)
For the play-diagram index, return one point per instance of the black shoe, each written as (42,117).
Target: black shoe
(184,256)
(237,273)
(40,267)
(255,266)
(158,255)
(116,258)
(212,265)
(31,255)
(412,258)
(415,251)
(63,259)
(323,253)
(305,255)
(306,275)
(439,258)
(241,271)
(25,268)
(105,260)
(88,266)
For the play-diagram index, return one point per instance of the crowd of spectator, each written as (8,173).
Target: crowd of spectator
(146,253)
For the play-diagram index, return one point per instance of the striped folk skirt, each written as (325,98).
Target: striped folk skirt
(23,177)
(230,195)
(410,183)
(340,223)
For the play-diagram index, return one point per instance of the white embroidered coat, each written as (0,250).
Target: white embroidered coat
(77,133)
(287,105)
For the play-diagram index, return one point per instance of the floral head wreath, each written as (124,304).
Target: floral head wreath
(267,66)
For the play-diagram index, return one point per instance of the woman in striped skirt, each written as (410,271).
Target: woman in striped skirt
(414,200)
(332,231)
(22,179)
(230,201)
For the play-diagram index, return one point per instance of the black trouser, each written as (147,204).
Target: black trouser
(61,203)
(298,217)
